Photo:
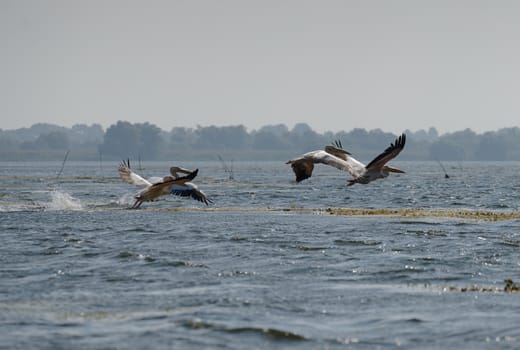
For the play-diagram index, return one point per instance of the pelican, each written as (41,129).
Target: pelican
(336,156)
(156,186)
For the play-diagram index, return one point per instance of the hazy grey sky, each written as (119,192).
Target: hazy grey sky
(335,65)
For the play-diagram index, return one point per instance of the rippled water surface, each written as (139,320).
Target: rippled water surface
(264,266)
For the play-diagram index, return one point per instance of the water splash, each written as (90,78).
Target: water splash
(63,201)
(126,200)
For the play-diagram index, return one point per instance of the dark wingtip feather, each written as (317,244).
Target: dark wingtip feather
(398,143)
(193,174)
(401,140)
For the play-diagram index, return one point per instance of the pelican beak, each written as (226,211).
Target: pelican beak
(185,171)
(176,169)
(394,170)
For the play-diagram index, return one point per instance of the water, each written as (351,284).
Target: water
(264,267)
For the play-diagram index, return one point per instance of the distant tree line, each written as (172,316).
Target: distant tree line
(272,142)
(50,142)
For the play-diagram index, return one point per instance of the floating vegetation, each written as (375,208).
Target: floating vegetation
(404,212)
(412,213)
(509,287)
(427,213)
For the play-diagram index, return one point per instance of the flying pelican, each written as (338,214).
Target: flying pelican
(337,157)
(154,187)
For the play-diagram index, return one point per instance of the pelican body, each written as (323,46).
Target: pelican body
(157,186)
(336,156)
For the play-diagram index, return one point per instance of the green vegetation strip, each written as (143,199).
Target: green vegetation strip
(509,287)
(408,212)
(428,213)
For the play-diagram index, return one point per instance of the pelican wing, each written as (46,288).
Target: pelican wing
(164,187)
(152,192)
(189,189)
(336,149)
(155,179)
(388,154)
(349,165)
(303,166)
(179,180)
(129,176)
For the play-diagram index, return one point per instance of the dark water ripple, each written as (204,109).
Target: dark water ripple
(80,270)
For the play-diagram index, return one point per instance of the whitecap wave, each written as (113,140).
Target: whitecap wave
(63,201)
(126,200)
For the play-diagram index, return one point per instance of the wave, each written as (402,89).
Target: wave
(62,201)
(273,333)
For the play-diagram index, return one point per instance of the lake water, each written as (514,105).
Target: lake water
(265,266)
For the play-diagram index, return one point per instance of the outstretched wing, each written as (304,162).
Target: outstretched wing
(189,189)
(179,180)
(349,164)
(129,176)
(388,154)
(336,149)
(164,187)
(303,166)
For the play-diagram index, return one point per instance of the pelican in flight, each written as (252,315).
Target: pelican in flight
(157,186)
(336,156)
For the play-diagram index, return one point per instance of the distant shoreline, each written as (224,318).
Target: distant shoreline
(146,141)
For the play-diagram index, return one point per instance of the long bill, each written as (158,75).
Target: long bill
(393,170)
(175,169)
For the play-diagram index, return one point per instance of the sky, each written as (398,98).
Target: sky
(335,65)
